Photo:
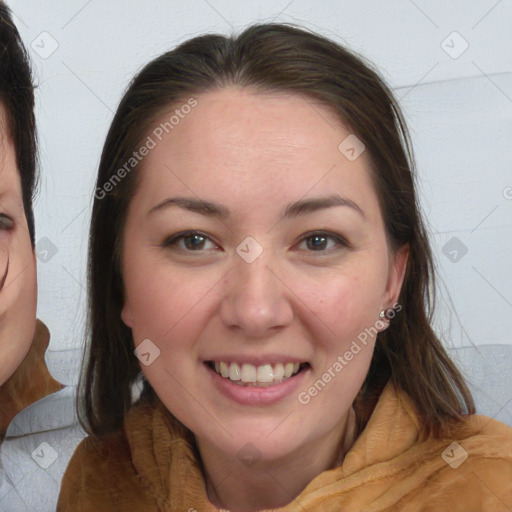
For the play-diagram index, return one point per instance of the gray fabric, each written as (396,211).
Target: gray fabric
(35,453)
(65,365)
(488,372)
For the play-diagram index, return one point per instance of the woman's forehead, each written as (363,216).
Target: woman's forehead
(237,135)
(237,113)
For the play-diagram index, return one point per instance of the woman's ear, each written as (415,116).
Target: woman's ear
(396,275)
(126,315)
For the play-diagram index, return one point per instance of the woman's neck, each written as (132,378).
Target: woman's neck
(272,484)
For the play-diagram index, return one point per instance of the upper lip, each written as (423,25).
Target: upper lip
(256,360)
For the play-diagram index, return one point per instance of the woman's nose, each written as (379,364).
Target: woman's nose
(256,299)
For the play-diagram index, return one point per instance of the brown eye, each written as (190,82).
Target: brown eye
(193,241)
(317,242)
(323,242)
(6,223)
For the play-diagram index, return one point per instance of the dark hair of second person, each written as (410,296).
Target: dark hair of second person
(17,95)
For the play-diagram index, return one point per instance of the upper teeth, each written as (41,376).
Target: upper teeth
(250,373)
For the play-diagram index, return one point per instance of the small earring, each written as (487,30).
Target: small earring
(382,314)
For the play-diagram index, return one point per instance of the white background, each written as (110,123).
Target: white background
(459,111)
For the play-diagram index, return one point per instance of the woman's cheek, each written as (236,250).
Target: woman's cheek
(354,307)
(18,302)
(160,302)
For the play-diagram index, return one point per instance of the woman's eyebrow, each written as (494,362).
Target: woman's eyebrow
(295,209)
(305,206)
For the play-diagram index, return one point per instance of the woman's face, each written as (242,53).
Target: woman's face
(272,276)
(18,295)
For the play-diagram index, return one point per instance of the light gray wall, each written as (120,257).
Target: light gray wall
(459,108)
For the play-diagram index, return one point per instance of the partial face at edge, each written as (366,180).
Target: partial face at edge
(321,279)
(18,296)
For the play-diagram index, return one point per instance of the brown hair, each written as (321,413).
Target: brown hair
(264,58)
(17,94)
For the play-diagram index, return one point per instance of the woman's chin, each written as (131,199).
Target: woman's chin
(251,445)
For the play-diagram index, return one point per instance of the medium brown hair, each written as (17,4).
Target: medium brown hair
(272,58)
(17,95)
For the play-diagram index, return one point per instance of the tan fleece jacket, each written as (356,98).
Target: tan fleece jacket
(152,465)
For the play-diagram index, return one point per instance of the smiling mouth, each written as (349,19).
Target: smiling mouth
(256,376)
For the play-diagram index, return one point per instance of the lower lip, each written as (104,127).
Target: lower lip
(250,395)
